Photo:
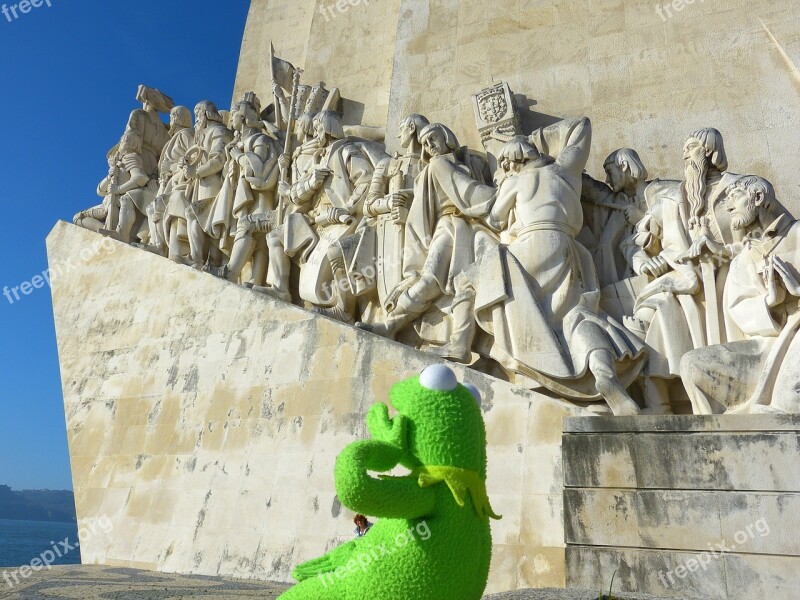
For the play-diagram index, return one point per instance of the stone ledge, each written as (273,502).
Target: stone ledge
(682,424)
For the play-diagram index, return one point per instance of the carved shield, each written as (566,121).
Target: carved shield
(493,106)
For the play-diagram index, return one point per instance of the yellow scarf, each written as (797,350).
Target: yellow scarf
(460,482)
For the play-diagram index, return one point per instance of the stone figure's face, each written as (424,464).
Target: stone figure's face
(694,151)
(407,133)
(238,118)
(616,177)
(319,131)
(512,167)
(436,144)
(200,117)
(742,207)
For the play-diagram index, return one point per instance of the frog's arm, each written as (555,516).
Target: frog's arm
(393,498)
(327,563)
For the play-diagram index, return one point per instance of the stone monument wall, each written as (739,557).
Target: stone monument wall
(646,73)
(204,420)
(684,507)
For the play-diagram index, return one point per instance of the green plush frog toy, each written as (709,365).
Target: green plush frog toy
(432,539)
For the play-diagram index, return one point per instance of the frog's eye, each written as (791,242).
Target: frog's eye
(439,378)
(475,393)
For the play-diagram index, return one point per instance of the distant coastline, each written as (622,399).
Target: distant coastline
(37,505)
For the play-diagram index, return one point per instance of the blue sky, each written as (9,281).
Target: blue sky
(69,75)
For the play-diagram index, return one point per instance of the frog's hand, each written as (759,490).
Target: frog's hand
(392,498)
(327,563)
(384,429)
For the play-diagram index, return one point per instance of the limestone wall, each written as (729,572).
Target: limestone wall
(646,80)
(204,420)
(684,507)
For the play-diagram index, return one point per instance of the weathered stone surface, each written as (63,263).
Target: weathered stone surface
(727,577)
(681,520)
(684,423)
(685,507)
(204,420)
(646,80)
(698,461)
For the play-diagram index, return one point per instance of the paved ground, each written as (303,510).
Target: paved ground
(108,583)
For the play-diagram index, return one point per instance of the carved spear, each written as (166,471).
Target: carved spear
(287,150)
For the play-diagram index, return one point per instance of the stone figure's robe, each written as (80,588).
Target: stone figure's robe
(538,297)
(677,298)
(761,372)
(605,230)
(175,189)
(438,238)
(212,142)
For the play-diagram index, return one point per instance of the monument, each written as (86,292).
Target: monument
(268,278)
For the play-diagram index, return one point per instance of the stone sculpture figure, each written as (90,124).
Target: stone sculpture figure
(759,373)
(373,257)
(439,240)
(146,123)
(203,165)
(442,508)
(168,215)
(678,310)
(538,297)
(136,191)
(611,212)
(327,202)
(250,189)
(105,214)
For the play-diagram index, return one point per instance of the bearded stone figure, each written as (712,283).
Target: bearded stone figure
(678,310)
(759,372)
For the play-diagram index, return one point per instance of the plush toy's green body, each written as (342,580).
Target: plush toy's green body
(432,539)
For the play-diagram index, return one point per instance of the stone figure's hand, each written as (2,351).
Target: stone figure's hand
(655,267)
(789,281)
(114,189)
(400,215)
(190,172)
(284,189)
(698,247)
(769,281)
(284,162)
(337,215)
(399,200)
(319,176)
(246,225)
(633,215)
